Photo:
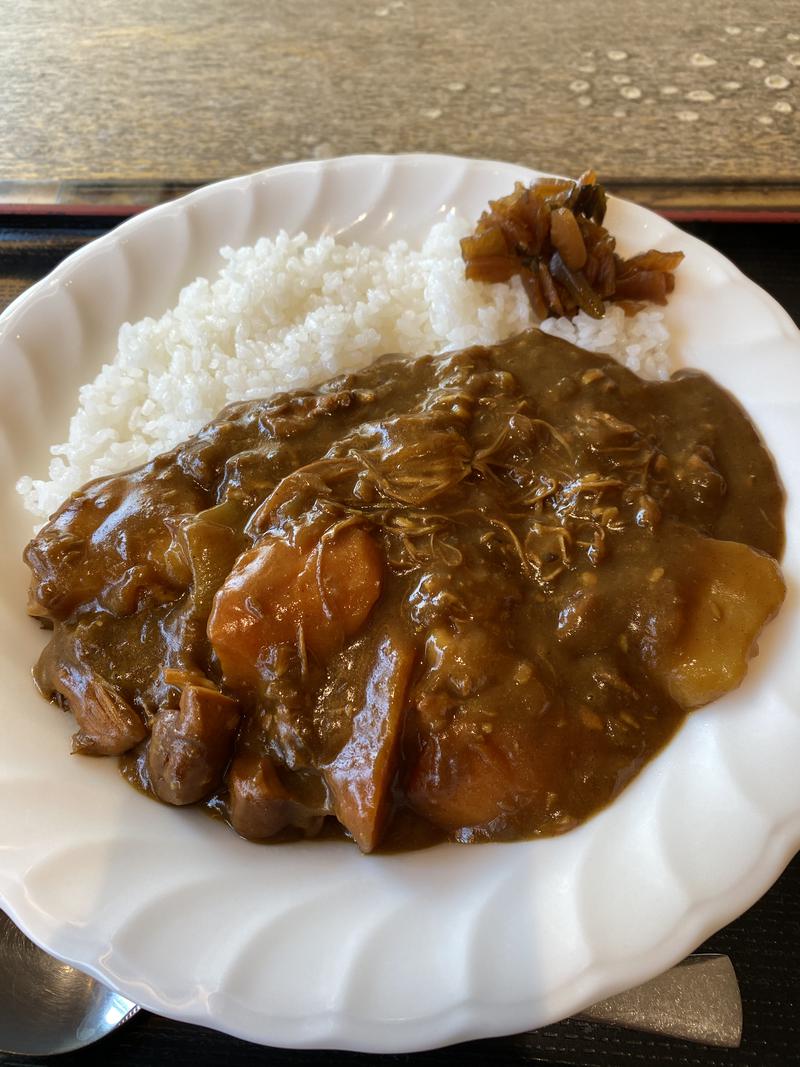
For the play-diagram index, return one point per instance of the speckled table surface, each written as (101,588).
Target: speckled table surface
(686,106)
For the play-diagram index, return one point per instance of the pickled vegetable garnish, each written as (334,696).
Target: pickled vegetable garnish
(551,235)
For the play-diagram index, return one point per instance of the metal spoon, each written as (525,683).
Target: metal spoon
(47,1007)
(697,1000)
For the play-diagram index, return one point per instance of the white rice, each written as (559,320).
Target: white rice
(289,313)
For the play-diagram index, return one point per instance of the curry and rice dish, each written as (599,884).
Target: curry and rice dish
(456,597)
(465,596)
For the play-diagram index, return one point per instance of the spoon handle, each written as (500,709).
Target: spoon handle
(697,1000)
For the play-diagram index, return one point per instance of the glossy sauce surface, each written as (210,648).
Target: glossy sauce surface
(465,596)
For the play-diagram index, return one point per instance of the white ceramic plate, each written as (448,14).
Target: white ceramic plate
(314,944)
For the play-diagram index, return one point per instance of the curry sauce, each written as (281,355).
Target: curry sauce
(464,596)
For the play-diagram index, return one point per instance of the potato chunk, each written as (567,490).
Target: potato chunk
(735,590)
(483,752)
(284,593)
(261,806)
(466,779)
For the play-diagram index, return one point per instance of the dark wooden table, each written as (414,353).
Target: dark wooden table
(684,106)
(764,944)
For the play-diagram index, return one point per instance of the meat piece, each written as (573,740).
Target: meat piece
(191,745)
(360,778)
(110,543)
(107,724)
(735,591)
(260,805)
(284,593)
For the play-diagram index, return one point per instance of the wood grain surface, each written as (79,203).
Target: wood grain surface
(696,104)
